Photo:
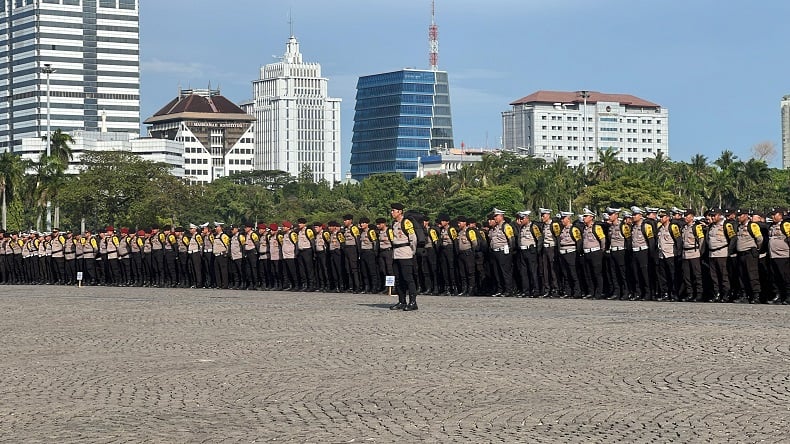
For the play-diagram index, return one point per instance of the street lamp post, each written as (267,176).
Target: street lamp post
(48,69)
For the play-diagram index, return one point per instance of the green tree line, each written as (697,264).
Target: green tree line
(120,188)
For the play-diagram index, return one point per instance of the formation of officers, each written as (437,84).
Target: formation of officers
(628,254)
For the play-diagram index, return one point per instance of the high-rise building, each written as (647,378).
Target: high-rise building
(297,124)
(92,50)
(786,131)
(218,136)
(400,117)
(575,125)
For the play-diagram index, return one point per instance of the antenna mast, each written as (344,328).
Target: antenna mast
(433,39)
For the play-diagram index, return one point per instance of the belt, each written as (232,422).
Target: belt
(640,248)
(719,248)
(547,245)
(220,254)
(193,252)
(617,249)
(527,247)
(592,250)
(567,250)
(399,245)
(690,248)
(499,249)
(385,249)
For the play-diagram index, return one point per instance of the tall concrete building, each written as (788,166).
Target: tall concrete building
(786,131)
(297,124)
(400,117)
(575,125)
(89,49)
(217,135)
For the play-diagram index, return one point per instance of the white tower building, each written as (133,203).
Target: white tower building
(297,123)
(785,106)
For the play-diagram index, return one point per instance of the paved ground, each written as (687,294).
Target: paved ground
(145,365)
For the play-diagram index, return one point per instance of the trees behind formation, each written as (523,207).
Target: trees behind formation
(121,189)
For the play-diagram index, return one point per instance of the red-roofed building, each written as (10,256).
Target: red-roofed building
(218,136)
(550,124)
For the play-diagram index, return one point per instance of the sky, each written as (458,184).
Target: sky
(720,68)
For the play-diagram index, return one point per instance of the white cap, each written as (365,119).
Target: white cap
(566,214)
(524,213)
(544,210)
(498,211)
(636,210)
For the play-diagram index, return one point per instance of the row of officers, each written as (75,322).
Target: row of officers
(635,254)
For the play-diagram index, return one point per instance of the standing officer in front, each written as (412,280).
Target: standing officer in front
(748,241)
(404,244)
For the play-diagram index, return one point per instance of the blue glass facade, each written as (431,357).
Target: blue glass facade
(399,116)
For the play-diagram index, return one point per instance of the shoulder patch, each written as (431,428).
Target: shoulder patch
(674,230)
(648,231)
(471,235)
(576,233)
(698,231)
(755,230)
(508,231)
(599,232)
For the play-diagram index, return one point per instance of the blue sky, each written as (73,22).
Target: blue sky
(721,68)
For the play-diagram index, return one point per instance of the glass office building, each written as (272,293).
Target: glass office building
(399,117)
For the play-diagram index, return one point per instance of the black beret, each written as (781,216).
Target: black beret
(348,217)
(364,220)
(461,218)
(396,206)
(443,217)
(381,220)
(301,220)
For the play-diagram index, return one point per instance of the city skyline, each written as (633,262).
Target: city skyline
(716,67)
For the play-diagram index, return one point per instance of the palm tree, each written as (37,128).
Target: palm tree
(12,173)
(607,166)
(488,168)
(60,146)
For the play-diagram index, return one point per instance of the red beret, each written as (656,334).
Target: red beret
(124,230)
(110,228)
(287,224)
(273,227)
(261,226)
(141,233)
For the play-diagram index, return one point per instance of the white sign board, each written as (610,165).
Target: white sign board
(389,281)
(79,275)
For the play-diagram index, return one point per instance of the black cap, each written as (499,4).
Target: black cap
(333,223)
(461,218)
(348,217)
(396,206)
(179,229)
(364,220)
(381,220)
(443,217)
(301,220)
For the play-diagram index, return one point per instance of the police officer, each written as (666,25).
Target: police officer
(569,238)
(529,242)
(466,246)
(351,252)
(221,251)
(618,238)
(385,252)
(549,267)
(593,243)
(368,243)
(748,241)
(718,245)
(250,256)
(445,249)
(236,265)
(322,281)
(427,258)
(693,248)
(264,264)
(404,244)
(195,256)
(779,249)
(669,242)
(642,240)
(289,241)
(210,280)
(275,257)
(502,242)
